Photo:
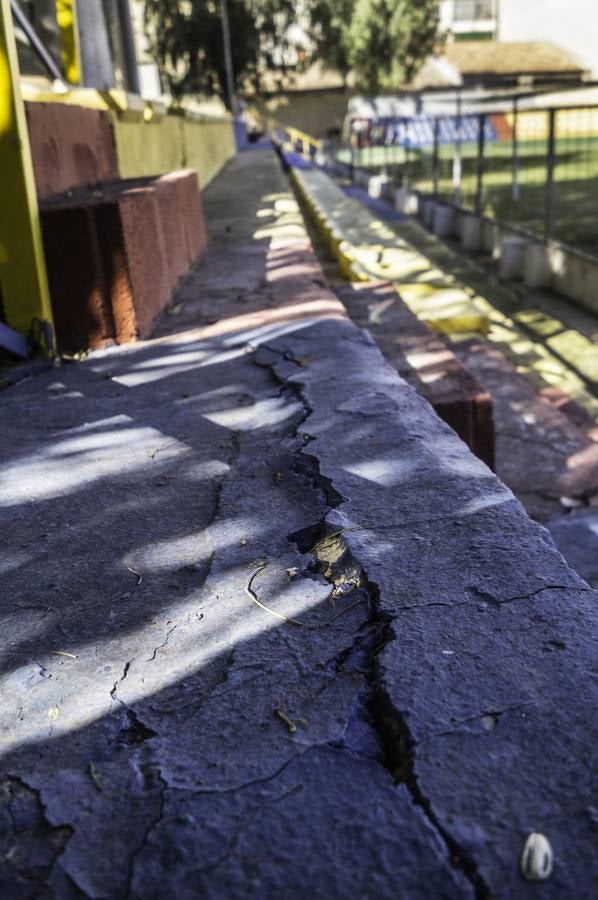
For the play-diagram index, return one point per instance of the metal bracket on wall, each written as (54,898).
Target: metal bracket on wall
(13,341)
(36,43)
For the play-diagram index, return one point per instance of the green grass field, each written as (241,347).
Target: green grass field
(575,183)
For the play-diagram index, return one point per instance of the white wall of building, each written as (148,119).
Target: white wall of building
(469,16)
(571,24)
(149,77)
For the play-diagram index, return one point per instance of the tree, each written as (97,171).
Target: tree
(382,41)
(389,40)
(186,41)
(330,27)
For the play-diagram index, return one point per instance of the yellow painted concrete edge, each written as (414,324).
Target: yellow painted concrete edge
(128,107)
(354,268)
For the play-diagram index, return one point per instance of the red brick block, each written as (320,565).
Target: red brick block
(115,255)
(182,219)
(188,195)
(80,295)
(172,215)
(139,261)
(71,147)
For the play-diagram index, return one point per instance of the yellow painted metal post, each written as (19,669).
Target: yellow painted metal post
(23,279)
(66,16)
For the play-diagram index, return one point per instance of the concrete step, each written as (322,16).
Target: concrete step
(425,362)
(546,458)
(549,340)
(367,248)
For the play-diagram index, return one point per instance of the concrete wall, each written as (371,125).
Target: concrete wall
(569,23)
(314,112)
(209,144)
(174,142)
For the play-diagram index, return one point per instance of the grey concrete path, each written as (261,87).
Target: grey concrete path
(268,628)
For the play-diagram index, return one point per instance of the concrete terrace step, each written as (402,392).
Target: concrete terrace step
(368,248)
(538,361)
(547,459)
(424,361)
(573,348)
(268,627)
(532,331)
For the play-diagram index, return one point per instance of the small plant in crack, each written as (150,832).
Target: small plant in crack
(331,558)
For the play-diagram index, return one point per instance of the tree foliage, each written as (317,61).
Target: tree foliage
(383,42)
(389,39)
(186,41)
(331,27)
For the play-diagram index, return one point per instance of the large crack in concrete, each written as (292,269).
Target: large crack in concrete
(373,709)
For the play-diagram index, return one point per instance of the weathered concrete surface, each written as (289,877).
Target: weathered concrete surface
(424,361)
(163,734)
(186,715)
(548,460)
(158,740)
(576,536)
(489,633)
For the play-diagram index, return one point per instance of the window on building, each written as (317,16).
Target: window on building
(473,10)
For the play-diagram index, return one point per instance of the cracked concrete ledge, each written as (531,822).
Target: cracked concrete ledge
(162,734)
(485,686)
(268,629)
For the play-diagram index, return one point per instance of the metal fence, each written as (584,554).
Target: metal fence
(536,169)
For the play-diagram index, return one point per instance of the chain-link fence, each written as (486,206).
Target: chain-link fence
(535,168)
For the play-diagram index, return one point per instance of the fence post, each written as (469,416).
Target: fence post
(435,157)
(515,155)
(406,178)
(457,158)
(550,162)
(479,196)
(25,293)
